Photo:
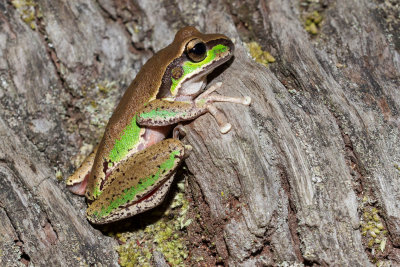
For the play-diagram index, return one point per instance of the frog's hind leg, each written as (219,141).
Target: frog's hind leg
(77,182)
(139,183)
(156,197)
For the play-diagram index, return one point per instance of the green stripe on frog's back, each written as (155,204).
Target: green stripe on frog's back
(189,66)
(129,194)
(128,140)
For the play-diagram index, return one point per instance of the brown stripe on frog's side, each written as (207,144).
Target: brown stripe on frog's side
(133,173)
(165,88)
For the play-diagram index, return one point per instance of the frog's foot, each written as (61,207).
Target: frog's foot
(188,150)
(79,188)
(209,97)
(224,125)
(178,131)
(77,182)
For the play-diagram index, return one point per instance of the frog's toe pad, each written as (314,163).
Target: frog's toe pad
(179,131)
(225,128)
(247,100)
(188,148)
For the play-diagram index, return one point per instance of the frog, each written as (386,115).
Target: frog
(132,168)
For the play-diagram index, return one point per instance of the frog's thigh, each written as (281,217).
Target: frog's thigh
(139,183)
(154,199)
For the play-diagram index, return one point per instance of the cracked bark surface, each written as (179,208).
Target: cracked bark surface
(298,179)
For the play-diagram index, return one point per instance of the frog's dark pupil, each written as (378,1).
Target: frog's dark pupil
(199,49)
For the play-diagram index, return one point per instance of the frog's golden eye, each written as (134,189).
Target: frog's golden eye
(196,50)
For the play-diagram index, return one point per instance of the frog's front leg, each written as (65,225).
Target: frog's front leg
(220,98)
(162,112)
(138,183)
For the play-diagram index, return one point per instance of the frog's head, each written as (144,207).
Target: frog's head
(197,55)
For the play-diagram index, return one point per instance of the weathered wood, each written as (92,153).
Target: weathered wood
(307,172)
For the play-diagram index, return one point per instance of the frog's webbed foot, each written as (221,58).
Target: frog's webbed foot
(210,98)
(77,182)
(178,131)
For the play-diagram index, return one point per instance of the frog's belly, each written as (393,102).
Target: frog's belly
(153,135)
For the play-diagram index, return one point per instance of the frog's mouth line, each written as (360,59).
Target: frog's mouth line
(201,74)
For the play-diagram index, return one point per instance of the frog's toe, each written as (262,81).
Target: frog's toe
(179,131)
(225,128)
(247,100)
(188,150)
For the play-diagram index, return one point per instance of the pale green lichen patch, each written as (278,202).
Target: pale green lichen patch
(165,235)
(59,175)
(258,54)
(290,264)
(106,86)
(313,22)
(84,151)
(373,230)
(28,11)
(102,103)
(397,167)
(312,15)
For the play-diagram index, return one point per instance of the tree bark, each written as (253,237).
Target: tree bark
(309,173)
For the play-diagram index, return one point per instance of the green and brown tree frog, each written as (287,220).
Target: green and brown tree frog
(133,166)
